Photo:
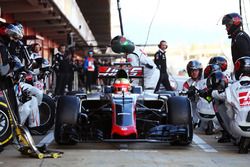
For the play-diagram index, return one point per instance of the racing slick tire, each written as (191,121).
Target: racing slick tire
(179,113)
(5,124)
(67,112)
(47,116)
(75,92)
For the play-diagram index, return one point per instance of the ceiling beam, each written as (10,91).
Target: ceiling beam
(36,17)
(56,37)
(41,25)
(53,29)
(25,9)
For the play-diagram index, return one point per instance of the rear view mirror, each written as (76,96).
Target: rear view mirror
(136,89)
(108,89)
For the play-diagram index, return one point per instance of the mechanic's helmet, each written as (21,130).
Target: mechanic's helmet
(11,31)
(221,61)
(29,78)
(45,66)
(194,65)
(242,67)
(20,26)
(233,22)
(120,44)
(45,63)
(210,68)
(217,81)
(37,63)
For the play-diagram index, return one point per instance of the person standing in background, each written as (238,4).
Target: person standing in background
(61,66)
(89,68)
(160,61)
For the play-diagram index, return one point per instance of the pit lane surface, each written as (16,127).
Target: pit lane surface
(203,152)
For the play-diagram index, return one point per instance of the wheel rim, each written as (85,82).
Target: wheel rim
(45,113)
(4,123)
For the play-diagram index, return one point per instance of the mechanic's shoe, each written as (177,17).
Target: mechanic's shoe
(210,128)
(243,150)
(1,149)
(243,145)
(209,131)
(225,138)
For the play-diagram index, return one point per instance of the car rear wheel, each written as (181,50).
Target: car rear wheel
(67,112)
(179,114)
(47,116)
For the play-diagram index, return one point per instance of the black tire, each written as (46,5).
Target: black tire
(5,125)
(75,92)
(47,116)
(179,113)
(67,112)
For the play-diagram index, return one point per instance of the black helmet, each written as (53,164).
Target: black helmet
(233,22)
(194,65)
(121,73)
(242,66)
(120,44)
(221,61)
(210,68)
(217,81)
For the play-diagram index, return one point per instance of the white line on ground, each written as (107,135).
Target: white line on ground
(203,145)
(47,139)
(125,150)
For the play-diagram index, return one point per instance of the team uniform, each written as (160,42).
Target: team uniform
(161,62)
(151,72)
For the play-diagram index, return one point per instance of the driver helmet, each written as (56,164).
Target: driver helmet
(233,22)
(194,65)
(210,68)
(121,85)
(221,61)
(217,81)
(242,67)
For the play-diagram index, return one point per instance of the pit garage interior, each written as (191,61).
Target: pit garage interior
(53,22)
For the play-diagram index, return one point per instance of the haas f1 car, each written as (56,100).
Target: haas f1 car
(123,113)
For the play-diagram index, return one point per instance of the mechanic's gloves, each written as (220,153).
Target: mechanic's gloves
(206,94)
(149,66)
(191,93)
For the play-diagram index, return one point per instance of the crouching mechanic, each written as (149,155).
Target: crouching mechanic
(236,115)
(194,69)
(136,57)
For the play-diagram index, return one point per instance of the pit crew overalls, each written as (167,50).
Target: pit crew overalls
(151,72)
(236,115)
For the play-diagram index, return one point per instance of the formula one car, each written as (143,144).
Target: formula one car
(123,112)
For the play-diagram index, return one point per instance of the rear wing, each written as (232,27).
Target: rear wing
(110,71)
